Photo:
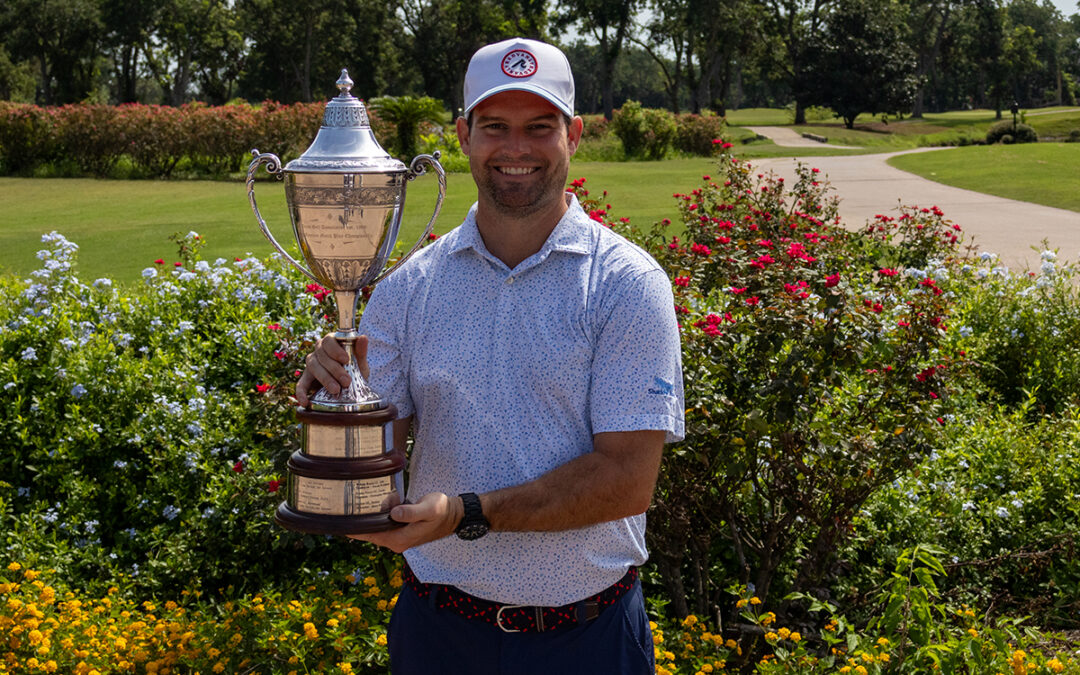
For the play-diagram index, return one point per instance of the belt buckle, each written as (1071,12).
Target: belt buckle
(498,618)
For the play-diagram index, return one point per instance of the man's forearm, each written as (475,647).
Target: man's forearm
(613,481)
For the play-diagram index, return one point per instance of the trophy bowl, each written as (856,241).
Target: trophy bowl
(345,196)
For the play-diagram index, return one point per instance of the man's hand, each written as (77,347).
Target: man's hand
(433,517)
(326,367)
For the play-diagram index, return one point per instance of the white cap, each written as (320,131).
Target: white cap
(520,65)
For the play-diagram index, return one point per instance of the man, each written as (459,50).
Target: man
(535,356)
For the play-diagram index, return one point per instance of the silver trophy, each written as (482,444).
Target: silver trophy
(345,196)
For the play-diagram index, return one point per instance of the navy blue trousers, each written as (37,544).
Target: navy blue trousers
(425,640)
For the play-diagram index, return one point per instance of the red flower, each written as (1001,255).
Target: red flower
(432,236)
(888,272)
(279,355)
(159,261)
(177,263)
(273,485)
(700,249)
(832,280)
(682,281)
(752,301)
(736,291)
(262,388)
(239,466)
(274,326)
(297,373)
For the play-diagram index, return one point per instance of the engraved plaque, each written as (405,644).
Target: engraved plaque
(344,497)
(331,441)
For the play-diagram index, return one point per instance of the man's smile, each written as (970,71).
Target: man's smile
(516,170)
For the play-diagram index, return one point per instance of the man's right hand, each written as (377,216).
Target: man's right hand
(326,367)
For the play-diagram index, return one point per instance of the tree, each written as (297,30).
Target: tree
(299,49)
(795,25)
(609,22)
(62,36)
(446,33)
(128,26)
(408,112)
(860,63)
(927,24)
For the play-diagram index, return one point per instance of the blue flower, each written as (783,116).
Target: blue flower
(149,273)
(29,354)
(78,391)
(170,512)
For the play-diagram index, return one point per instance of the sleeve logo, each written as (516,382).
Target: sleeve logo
(662,387)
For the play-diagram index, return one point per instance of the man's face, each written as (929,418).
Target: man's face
(519,149)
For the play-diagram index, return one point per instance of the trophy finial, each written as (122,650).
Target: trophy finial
(344,83)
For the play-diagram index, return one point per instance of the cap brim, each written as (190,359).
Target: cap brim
(523,86)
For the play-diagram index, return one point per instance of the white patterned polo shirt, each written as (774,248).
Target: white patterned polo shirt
(509,373)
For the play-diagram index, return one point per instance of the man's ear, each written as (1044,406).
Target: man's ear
(463,134)
(573,133)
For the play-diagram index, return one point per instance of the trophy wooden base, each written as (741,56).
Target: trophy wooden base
(347,477)
(340,526)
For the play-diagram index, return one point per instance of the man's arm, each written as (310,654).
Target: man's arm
(613,481)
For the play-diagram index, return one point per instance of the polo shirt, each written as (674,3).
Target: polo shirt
(509,373)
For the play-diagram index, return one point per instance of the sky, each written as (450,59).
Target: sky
(1066,7)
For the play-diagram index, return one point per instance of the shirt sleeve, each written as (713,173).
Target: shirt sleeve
(383,322)
(636,379)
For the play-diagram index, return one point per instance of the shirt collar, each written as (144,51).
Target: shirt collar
(572,234)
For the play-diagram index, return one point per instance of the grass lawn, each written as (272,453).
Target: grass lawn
(1044,173)
(121,227)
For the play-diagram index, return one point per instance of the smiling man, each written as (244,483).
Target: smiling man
(534,356)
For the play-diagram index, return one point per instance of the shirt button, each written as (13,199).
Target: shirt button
(510,280)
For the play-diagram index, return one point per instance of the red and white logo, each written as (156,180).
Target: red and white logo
(519,63)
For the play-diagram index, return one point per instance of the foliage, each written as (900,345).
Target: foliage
(333,621)
(1018,133)
(408,113)
(178,393)
(159,140)
(645,133)
(860,63)
(815,374)
(697,134)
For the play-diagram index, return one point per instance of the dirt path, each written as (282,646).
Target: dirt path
(868,186)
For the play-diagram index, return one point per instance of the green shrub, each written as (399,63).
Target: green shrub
(147,429)
(813,377)
(645,133)
(1074,136)
(1020,133)
(28,137)
(697,134)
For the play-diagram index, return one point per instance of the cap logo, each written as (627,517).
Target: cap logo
(519,63)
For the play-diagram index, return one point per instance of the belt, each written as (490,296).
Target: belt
(520,618)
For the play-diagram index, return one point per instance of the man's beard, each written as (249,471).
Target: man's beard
(526,199)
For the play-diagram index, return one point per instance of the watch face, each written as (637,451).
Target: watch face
(472,531)
(519,63)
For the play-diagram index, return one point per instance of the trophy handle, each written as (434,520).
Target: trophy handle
(417,169)
(273,167)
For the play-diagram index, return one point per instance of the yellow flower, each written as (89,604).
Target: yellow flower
(1055,665)
(845,669)
(218,667)
(14,567)
(707,668)
(770,636)
(883,657)
(381,605)
(332,623)
(884,642)
(795,636)
(755,600)
(730,644)
(784,633)
(767,618)
(669,656)
(50,666)
(381,640)
(369,581)
(973,633)
(741,603)
(345,667)
(689,621)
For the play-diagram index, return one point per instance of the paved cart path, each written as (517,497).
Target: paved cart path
(868,186)
(790,138)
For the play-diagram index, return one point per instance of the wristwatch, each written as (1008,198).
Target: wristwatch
(473,524)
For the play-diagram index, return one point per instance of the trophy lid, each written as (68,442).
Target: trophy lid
(345,142)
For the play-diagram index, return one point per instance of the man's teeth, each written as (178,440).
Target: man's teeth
(516,170)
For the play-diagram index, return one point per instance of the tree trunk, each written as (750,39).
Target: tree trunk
(800,112)
(670,568)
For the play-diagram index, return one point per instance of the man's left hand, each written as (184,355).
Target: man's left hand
(433,517)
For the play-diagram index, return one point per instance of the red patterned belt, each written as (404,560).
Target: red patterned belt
(520,618)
